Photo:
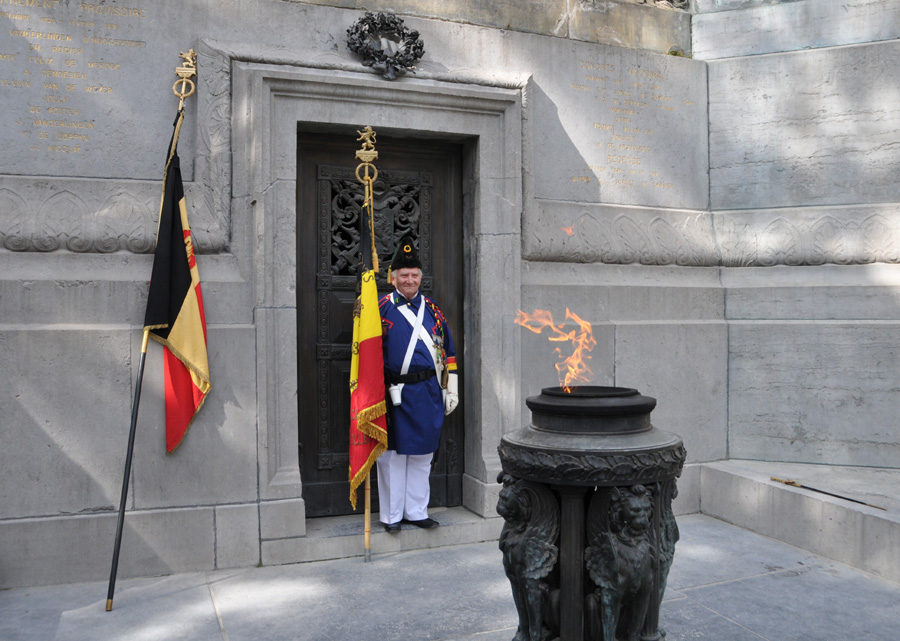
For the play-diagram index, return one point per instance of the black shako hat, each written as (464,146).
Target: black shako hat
(405,256)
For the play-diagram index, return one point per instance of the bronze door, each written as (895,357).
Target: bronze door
(418,192)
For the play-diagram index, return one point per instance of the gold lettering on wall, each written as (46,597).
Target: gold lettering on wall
(61,60)
(625,98)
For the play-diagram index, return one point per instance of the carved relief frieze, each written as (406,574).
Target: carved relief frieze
(133,221)
(852,235)
(212,166)
(14,217)
(77,216)
(591,468)
(568,232)
(780,244)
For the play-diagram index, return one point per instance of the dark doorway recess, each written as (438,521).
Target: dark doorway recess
(418,192)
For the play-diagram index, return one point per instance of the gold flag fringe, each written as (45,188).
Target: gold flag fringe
(365,424)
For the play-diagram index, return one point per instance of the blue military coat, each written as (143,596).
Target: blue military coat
(414,426)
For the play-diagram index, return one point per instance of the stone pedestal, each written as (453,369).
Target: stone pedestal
(587,498)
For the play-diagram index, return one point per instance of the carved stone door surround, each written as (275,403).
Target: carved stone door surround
(270,102)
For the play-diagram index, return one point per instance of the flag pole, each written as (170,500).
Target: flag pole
(367,154)
(366,173)
(128,457)
(837,496)
(182,88)
(368,520)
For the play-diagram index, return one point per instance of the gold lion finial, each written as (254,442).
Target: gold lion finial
(184,86)
(367,174)
(367,136)
(190,59)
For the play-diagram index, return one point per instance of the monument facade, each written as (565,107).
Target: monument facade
(709,183)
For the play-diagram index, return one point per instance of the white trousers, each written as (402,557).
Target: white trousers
(403,487)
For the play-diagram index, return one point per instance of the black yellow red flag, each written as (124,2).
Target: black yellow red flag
(175,314)
(368,426)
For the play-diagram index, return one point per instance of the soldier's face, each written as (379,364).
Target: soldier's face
(407,281)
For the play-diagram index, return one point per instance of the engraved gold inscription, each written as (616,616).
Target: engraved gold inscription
(625,97)
(62,63)
(107,10)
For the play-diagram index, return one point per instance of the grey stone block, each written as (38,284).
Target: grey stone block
(689,498)
(532,15)
(216,461)
(802,161)
(808,236)
(675,363)
(824,293)
(639,26)
(813,392)
(644,140)
(282,519)
(711,6)
(276,375)
(66,407)
(481,497)
(79,548)
(237,536)
(616,293)
(731,28)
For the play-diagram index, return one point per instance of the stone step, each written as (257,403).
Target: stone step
(742,493)
(735,491)
(340,537)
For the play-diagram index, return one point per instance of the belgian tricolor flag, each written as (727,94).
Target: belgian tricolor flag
(368,421)
(175,305)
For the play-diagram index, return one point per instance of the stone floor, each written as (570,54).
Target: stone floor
(727,583)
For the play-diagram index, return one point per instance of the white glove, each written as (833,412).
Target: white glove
(451,398)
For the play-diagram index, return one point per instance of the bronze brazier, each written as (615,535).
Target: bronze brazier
(587,499)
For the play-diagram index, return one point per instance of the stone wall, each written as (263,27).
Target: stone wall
(803,164)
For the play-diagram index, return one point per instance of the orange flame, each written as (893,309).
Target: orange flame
(573,369)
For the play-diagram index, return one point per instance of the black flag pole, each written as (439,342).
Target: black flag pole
(124,498)
(182,88)
(837,496)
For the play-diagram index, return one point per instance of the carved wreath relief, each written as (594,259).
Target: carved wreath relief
(385,43)
(625,557)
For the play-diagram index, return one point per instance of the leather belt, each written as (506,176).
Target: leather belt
(418,377)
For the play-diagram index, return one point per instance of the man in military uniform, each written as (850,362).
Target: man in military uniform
(420,370)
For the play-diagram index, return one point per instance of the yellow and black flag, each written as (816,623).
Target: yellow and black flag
(175,305)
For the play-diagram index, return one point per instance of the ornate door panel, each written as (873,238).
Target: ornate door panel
(418,192)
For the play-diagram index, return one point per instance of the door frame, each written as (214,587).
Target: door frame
(271,102)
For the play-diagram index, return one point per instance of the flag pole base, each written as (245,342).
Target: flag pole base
(368,520)
(109,605)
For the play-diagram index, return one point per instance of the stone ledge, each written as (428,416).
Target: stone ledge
(741,492)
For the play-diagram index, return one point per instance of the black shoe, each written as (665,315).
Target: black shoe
(426,524)
(391,527)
